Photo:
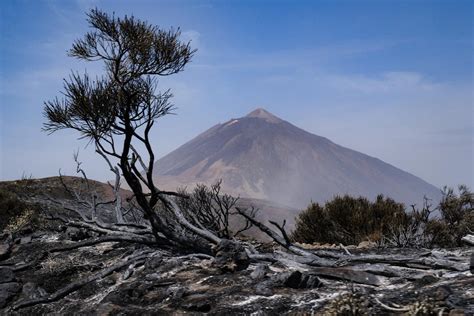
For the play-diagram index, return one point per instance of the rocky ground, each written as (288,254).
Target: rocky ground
(176,283)
(43,271)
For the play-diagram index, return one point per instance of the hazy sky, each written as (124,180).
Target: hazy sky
(392,79)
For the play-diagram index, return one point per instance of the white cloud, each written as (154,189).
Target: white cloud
(387,82)
(296,58)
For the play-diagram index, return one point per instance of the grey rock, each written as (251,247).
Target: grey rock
(310,282)
(264,288)
(6,275)
(5,249)
(176,292)
(152,276)
(427,279)
(231,256)
(7,292)
(260,272)
(38,234)
(293,280)
(25,240)
(296,280)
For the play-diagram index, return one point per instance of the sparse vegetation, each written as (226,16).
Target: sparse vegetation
(15,214)
(457,216)
(352,303)
(411,229)
(58,264)
(20,221)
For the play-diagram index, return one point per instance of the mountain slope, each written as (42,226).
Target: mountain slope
(262,156)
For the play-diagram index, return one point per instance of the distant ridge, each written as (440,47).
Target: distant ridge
(262,156)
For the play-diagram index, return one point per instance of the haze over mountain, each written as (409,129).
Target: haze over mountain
(262,156)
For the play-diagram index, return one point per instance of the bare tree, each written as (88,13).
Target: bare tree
(411,229)
(87,199)
(214,210)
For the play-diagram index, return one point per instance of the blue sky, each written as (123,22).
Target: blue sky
(392,79)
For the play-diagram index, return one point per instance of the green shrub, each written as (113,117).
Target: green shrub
(312,225)
(348,220)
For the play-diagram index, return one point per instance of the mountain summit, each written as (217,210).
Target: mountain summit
(262,156)
(265,115)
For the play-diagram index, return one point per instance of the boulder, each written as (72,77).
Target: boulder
(231,256)
(264,288)
(260,272)
(292,279)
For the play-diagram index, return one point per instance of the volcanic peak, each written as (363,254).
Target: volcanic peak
(264,114)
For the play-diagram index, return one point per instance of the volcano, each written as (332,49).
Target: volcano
(264,157)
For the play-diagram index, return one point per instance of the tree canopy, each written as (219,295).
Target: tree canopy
(117,110)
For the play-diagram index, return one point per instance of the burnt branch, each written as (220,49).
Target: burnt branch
(74,286)
(282,230)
